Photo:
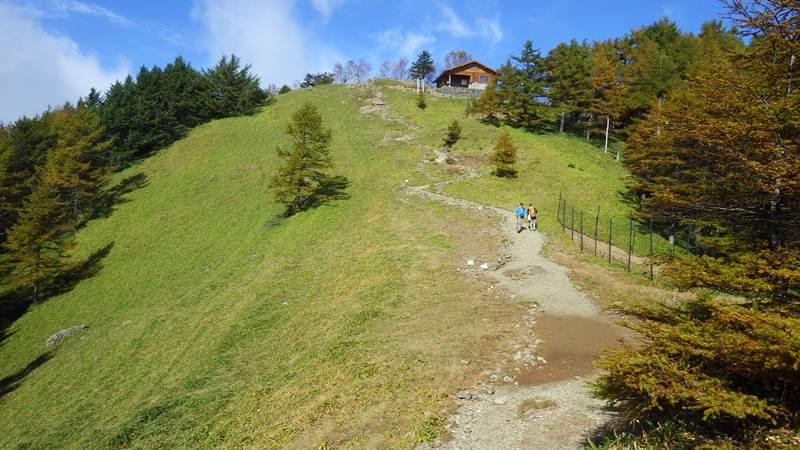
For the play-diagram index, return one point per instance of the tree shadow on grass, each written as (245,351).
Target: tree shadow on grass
(115,195)
(15,302)
(13,381)
(332,188)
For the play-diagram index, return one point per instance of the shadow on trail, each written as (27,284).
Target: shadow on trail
(13,381)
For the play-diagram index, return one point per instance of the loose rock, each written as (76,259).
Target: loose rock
(66,332)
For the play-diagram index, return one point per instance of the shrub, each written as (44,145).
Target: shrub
(505,156)
(722,371)
(421,103)
(453,134)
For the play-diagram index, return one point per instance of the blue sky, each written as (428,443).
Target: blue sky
(55,50)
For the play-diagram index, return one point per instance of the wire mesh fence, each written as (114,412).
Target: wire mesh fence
(627,242)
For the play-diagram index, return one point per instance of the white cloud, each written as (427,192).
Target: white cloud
(403,43)
(455,26)
(489,29)
(47,70)
(91,9)
(264,34)
(326,7)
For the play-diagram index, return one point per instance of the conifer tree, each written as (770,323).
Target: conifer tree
(487,104)
(303,180)
(77,166)
(93,99)
(453,134)
(608,89)
(37,244)
(722,155)
(421,102)
(569,79)
(505,156)
(424,67)
(234,90)
(25,146)
(522,90)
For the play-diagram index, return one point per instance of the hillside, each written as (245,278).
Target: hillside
(214,324)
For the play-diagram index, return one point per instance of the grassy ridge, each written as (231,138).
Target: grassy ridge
(210,326)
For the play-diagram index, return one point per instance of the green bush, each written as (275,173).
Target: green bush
(724,371)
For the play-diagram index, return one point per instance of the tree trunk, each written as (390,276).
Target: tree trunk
(608,126)
(561,127)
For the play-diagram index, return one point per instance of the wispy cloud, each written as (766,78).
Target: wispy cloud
(91,9)
(452,23)
(48,70)
(456,27)
(489,29)
(404,43)
(326,7)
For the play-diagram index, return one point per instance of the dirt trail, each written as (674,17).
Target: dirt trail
(571,331)
(541,400)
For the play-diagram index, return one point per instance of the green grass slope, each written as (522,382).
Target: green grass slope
(210,327)
(550,166)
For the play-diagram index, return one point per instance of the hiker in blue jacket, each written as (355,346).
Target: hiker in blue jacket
(520,213)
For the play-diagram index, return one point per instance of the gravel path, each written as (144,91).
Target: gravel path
(540,399)
(545,402)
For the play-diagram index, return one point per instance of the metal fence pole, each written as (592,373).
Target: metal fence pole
(564,216)
(651,249)
(630,244)
(610,227)
(558,213)
(596,226)
(572,224)
(581,230)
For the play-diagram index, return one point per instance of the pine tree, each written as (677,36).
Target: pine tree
(303,180)
(424,67)
(453,134)
(285,89)
(608,90)
(188,96)
(234,90)
(37,244)
(569,79)
(421,103)
(505,156)
(521,93)
(722,155)
(487,104)
(116,114)
(78,165)
(93,99)
(24,147)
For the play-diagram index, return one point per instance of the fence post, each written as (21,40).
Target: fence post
(564,217)
(630,244)
(610,227)
(651,249)
(581,230)
(596,226)
(572,224)
(558,213)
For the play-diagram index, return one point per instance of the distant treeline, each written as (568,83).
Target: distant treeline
(53,166)
(584,88)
